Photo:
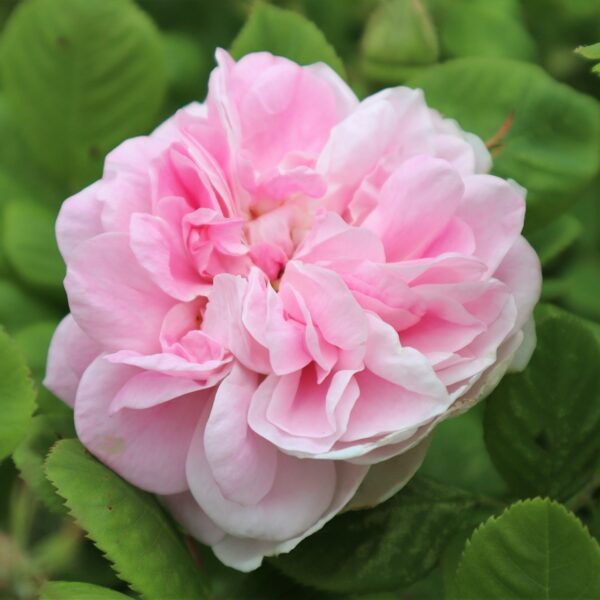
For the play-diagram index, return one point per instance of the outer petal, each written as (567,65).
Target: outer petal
(246,554)
(111,297)
(70,353)
(146,447)
(301,492)
(521,271)
(79,219)
(388,477)
(187,511)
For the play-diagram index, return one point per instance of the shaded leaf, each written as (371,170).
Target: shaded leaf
(387,547)
(457,456)
(541,425)
(556,238)
(18,308)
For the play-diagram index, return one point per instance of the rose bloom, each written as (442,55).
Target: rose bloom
(278,294)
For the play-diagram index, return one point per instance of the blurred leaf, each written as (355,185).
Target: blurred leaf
(484,28)
(125,523)
(20,179)
(188,67)
(29,458)
(30,246)
(581,287)
(72,590)
(541,426)
(387,547)
(34,341)
(18,308)
(553,145)
(17,396)
(285,33)
(554,239)
(398,36)
(92,75)
(341,21)
(535,549)
(55,552)
(458,456)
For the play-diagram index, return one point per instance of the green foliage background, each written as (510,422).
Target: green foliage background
(482,519)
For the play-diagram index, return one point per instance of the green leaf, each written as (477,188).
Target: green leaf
(553,144)
(536,550)
(556,238)
(459,441)
(592,53)
(125,523)
(30,246)
(18,308)
(581,291)
(387,547)
(21,180)
(72,590)
(93,75)
(33,341)
(484,28)
(541,426)
(188,66)
(285,33)
(398,37)
(17,396)
(29,457)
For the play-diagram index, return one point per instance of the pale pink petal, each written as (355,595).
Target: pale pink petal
(301,492)
(246,554)
(302,415)
(147,447)
(223,322)
(520,270)
(388,477)
(416,204)
(70,353)
(162,255)
(494,209)
(242,463)
(187,511)
(111,297)
(332,238)
(79,219)
(148,389)
(333,310)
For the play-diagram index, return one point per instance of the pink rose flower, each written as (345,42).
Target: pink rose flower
(277,295)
